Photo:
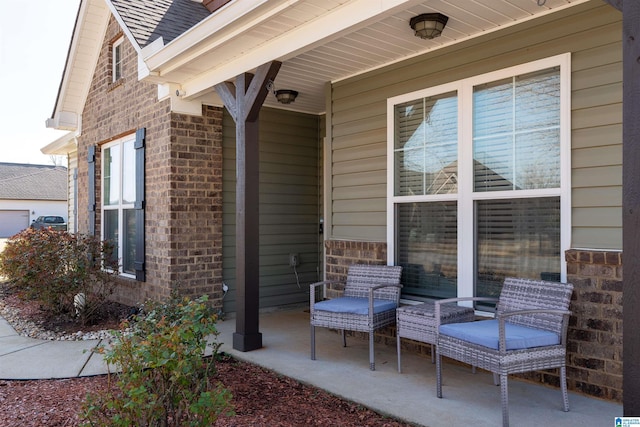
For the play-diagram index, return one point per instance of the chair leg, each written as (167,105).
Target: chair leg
(504,394)
(398,348)
(438,373)
(344,338)
(433,354)
(496,378)
(313,342)
(563,386)
(372,363)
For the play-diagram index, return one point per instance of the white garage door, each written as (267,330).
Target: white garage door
(12,222)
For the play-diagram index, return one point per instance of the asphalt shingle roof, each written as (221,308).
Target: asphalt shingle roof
(32,182)
(149,19)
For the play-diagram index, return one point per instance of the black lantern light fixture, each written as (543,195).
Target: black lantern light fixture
(284,96)
(428,25)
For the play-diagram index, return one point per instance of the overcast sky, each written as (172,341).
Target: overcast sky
(34,40)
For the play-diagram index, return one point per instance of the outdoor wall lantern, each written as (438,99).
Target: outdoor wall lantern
(428,25)
(284,96)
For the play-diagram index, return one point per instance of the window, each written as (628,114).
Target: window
(478,185)
(123,201)
(118,197)
(116,59)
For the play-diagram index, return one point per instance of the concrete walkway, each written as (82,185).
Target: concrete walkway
(23,358)
(469,399)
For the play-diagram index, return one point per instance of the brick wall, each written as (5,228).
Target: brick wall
(594,361)
(340,254)
(195,201)
(595,331)
(183,186)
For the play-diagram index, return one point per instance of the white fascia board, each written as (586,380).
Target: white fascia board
(67,143)
(341,20)
(210,33)
(143,70)
(153,47)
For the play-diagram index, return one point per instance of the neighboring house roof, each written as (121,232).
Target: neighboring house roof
(32,182)
(150,19)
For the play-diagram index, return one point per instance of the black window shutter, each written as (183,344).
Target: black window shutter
(139,205)
(91,159)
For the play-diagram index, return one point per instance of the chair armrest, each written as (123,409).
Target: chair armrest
(502,343)
(313,286)
(375,287)
(438,303)
(535,311)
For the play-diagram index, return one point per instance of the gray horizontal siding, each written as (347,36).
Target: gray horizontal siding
(289,206)
(589,177)
(591,32)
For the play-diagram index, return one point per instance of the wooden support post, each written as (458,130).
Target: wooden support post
(243,101)
(631,207)
(630,204)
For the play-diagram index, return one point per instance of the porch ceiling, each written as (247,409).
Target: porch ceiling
(320,41)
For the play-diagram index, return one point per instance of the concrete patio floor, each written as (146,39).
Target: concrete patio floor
(468,399)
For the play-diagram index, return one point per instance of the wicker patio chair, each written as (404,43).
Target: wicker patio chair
(371,296)
(529,333)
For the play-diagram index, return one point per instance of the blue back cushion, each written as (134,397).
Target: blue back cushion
(485,333)
(352,305)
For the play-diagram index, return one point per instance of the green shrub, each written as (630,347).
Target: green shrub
(54,266)
(164,379)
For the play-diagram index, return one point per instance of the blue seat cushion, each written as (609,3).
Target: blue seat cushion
(353,305)
(485,333)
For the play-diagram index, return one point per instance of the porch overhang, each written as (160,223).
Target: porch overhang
(317,41)
(229,38)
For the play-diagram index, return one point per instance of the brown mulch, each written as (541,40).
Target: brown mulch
(260,397)
(108,316)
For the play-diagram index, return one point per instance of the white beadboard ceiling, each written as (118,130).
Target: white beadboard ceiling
(317,41)
(356,46)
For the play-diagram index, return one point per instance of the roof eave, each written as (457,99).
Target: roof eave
(213,31)
(62,146)
(224,27)
(88,33)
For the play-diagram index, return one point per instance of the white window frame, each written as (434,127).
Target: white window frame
(116,67)
(120,206)
(465,196)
